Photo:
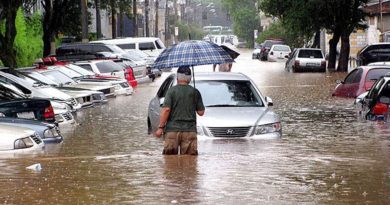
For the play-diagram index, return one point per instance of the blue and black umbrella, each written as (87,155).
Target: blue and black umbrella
(192,53)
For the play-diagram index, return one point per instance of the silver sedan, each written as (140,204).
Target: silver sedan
(235,108)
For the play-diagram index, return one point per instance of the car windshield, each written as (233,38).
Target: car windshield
(126,46)
(41,78)
(229,93)
(115,48)
(377,73)
(282,48)
(67,71)
(80,70)
(108,67)
(268,44)
(136,56)
(9,92)
(58,77)
(306,53)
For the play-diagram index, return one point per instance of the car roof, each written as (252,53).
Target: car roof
(369,67)
(127,40)
(314,49)
(200,76)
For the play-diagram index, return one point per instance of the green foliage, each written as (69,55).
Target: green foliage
(278,31)
(28,40)
(245,18)
(193,30)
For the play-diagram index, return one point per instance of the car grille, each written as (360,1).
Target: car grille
(73,102)
(68,116)
(229,131)
(36,138)
(124,85)
(83,100)
(106,91)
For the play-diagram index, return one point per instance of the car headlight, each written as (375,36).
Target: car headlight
(268,128)
(50,133)
(2,114)
(200,130)
(58,118)
(23,143)
(118,87)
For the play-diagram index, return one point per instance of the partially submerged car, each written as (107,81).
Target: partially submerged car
(306,60)
(14,139)
(235,108)
(279,52)
(360,80)
(48,132)
(375,104)
(373,53)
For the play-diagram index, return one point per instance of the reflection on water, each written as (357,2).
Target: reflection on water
(326,156)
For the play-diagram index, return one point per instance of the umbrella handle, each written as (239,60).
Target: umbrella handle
(193,75)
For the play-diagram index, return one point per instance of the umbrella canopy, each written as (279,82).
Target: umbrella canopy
(192,53)
(234,54)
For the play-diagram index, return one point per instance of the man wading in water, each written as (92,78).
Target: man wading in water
(178,116)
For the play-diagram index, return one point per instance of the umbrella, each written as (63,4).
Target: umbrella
(192,53)
(234,54)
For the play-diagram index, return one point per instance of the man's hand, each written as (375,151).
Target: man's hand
(159,132)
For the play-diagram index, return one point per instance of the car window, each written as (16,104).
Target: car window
(377,73)
(225,93)
(126,46)
(86,67)
(386,90)
(158,44)
(351,77)
(8,94)
(375,89)
(100,48)
(58,76)
(20,87)
(146,46)
(281,48)
(108,67)
(80,69)
(164,87)
(305,53)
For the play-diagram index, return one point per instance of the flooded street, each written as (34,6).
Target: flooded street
(326,155)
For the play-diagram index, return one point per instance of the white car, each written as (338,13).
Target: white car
(306,60)
(279,52)
(14,139)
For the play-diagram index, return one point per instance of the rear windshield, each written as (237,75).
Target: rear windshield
(269,44)
(126,46)
(310,54)
(8,94)
(377,73)
(108,67)
(282,48)
(146,46)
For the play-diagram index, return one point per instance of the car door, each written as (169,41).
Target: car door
(157,102)
(350,86)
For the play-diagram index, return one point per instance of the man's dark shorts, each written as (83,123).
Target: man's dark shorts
(187,141)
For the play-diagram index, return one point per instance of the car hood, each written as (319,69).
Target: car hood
(14,132)
(49,92)
(92,86)
(237,117)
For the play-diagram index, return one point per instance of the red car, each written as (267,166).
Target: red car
(359,80)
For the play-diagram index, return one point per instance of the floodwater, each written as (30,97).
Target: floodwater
(326,155)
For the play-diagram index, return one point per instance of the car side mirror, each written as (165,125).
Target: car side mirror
(339,82)
(359,101)
(162,101)
(269,101)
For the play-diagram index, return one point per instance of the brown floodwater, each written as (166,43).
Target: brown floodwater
(326,155)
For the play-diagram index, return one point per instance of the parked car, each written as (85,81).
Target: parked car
(359,80)
(62,103)
(256,52)
(279,52)
(15,104)
(267,44)
(373,53)
(87,50)
(306,59)
(150,45)
(110,69)
(374,104)
(14,139)
(49,133)
(235,108)
(141,58)
(140,72)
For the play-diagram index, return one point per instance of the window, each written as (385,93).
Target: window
(18,86)
(282,48)
(86,67)
(376,74)
(159,44)
(306,53)
(99,48)
(146,46)
(229,93)
(351,78)
(108,67)
(164,87)
(375,89)
(126,46)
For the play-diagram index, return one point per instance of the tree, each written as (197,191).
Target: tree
(245,18)
(8,11)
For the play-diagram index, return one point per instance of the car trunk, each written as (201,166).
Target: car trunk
(27,109)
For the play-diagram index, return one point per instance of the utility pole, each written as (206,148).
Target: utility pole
(167,34)
(147,18)
(84,21)
(135,26)
(156,26)
(98,20)
(381,5)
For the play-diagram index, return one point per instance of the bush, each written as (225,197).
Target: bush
(28,40)
(193,31)
(278,31)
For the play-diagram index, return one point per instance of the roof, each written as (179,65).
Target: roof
(374,7)
(200,76)
(126,40)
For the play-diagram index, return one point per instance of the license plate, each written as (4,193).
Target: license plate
(312,64)
(26,115)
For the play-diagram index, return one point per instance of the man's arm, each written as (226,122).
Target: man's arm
(163,120)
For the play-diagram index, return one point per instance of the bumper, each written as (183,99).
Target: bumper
(274,135)
(309,69)
(124,91)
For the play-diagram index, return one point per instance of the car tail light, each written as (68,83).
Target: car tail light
(380,109)
(129,75)
(323,64)
(296,63)
(49,113)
